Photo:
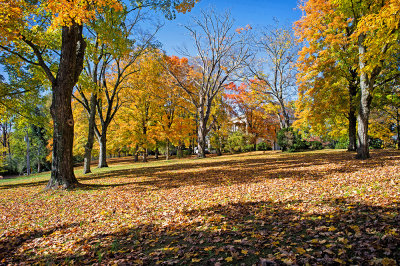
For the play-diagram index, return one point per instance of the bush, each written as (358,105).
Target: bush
(263,146)
(375,143)
(249,147)
(315,145)
(187,152)
(342,144)
(290,140)
(236,142)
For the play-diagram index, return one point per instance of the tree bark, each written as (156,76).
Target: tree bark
(28,155)
(90,139)
(180,151)
(363,114)
(167,150)
(135,154)
(103,150)
(71,65)
(352,116)
(201,140)
(352,132)
(144,158)
(156,153)
(201,131)
(398,128)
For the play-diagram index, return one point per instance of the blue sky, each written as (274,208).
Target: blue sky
(253,12)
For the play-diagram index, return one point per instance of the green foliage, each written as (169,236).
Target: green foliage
(375,143)
(263,146)
(341,144)
(248,147)
(315,145)
(290,140)
(236,142)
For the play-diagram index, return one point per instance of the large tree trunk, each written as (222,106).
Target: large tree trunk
(28,155)
(103,150)
(71,64)
(363,114)
(90,139)
(284,119)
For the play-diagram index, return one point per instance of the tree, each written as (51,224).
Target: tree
(31,40)
(368,31)
(328,81)
(221,52)
(247,103)
(110,46)
(113,49)
(275,72)
(58,25)
(387,105)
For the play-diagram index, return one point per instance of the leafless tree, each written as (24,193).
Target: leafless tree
(221,51)
(273,66)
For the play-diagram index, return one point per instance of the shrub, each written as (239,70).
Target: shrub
(263,146)
(342,144)
(375,143)
(236,142)
(249,147)
(315,145)
(290,140)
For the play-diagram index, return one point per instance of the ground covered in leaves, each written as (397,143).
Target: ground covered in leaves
(257,208)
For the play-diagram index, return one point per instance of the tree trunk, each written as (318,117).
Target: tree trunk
(135,154)
(363,114)
(71,64)
(284,119)
(201,139)
(38,155)
(352,131)
(398,128)
(4,137)
(90,138)
(28,155)
(103,150)
(167,150)
(352,117)
(144,159)
(156,153)
(180,151)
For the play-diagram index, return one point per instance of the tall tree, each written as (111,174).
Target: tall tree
(220,52)
(276,51)
(36,31)
(368,30)
(114,47)
(328,80)
(31,40)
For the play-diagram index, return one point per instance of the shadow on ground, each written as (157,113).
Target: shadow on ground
(262,232)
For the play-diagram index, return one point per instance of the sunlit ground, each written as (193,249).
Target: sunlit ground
(317,207)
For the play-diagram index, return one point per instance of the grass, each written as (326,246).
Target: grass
(320,207)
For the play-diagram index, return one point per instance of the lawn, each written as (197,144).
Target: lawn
(317,207)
